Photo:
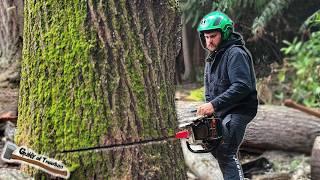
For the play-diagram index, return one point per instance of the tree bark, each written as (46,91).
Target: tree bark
(11,23)
(97,90)
(274,128)
(8,101)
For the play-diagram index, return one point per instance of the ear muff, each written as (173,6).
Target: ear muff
(226,33)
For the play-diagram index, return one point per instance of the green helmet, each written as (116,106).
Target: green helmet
(216,20)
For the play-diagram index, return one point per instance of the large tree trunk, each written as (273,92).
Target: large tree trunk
(11,23)
(100,74)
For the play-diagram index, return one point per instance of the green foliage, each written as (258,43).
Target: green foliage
(267,9)
(270,10)
(304,58)
(194,10)
(223,5)
(196,95)
(312,21)
(294,165)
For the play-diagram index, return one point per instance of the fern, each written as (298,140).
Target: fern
(226,5)
(313,20)
(223,5)
(273,8)
(193,10)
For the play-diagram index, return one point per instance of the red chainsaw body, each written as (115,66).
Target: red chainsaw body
(201,131)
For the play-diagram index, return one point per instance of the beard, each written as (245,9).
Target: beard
(212,46)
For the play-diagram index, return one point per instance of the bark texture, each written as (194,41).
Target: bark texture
(100,73)
(8,101)
(11,23)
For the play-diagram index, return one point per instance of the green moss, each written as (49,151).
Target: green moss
(62,104)
(73,167)
(58,80)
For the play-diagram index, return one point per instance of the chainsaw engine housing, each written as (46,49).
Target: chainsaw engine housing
(207,129)
(204,131)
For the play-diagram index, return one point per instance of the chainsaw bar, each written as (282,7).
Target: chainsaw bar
(190,120)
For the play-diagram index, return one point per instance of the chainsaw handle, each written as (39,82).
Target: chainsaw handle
(199,151)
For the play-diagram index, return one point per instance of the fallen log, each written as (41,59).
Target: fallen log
(315,159)
(282,128)
(274,128)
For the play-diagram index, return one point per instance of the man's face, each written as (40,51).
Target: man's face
(213,39)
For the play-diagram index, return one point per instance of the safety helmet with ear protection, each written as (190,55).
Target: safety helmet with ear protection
(216,20)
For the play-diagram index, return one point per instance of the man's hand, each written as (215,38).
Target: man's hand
(205,109)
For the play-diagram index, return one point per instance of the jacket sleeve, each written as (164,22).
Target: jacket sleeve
(239,67)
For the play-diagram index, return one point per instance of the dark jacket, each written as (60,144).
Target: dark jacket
(229,78)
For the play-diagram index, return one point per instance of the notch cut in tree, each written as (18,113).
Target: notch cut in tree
(98,73)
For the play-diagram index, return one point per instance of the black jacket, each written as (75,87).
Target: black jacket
(229,78)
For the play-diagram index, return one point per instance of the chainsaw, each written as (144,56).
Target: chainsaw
(201,130)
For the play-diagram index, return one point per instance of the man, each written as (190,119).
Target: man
(230,87)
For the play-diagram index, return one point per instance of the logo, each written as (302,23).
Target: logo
(13,153)
(203,22)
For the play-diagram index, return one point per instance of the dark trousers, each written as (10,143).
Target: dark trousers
(234,126)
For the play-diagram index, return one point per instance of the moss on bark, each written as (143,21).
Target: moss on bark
(98,73)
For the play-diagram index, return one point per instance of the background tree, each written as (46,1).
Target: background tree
(97,74)
(11,23)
